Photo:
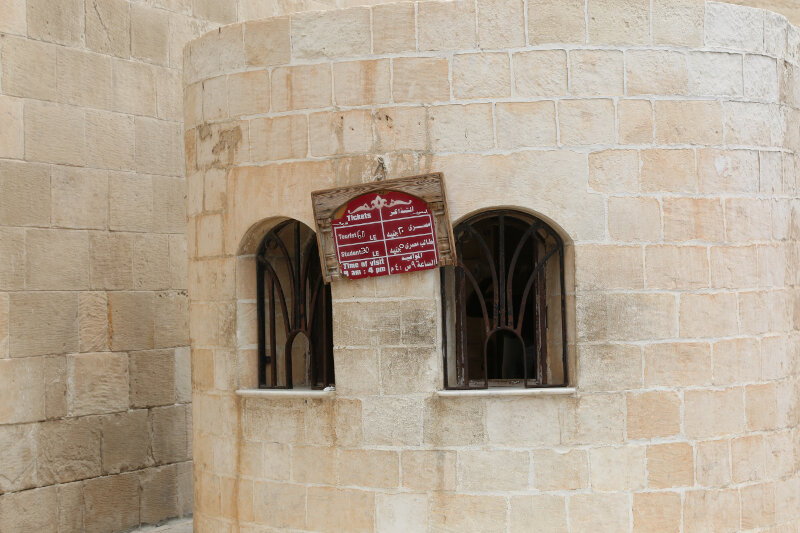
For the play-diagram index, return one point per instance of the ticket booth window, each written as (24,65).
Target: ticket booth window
(504,304)
(295,340)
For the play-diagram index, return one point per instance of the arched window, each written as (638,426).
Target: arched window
(295,346)
(504,304)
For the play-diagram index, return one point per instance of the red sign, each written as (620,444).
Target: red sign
(385,233)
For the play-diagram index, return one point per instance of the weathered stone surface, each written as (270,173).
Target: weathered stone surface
(152,375)
(615,469)
(619,22)
(54,133)
(481,75)
(57,260)
(30,510)
(420,79)
(131,316)
(18,460)
(525,124)
(540,73)
(340,33)
(99,383)
(393,28)
(126,442)
(559,470)
(429,469)
(111,503)
(62,23)
(653,414)
(656,512)
(12,140)
(459,18)
(598,513)
(12,274)
(596,73)
(29,68)
(169,435)
(59,310)
(159,494)
(556,22)
(108,27)
(79,198)
(267,42)
(68,450)
(25,199)
(488,512)
(397,513)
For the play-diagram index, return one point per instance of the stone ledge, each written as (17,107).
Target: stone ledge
(286,393)
(503,392)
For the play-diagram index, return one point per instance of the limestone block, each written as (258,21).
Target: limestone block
(362,82)
(169,436)
(786,500)
(112,503)
(693,219)
(656,512)
(398,513)
(547,511)
(760,78)
(668,170)
(736,27)
(779,462)
(516,423)
(656,72)
(23,389)
(169,200)
(670,465)
(314,464)
(393,28)
(401,128)
(626,317)
(487,513)
(267,42)
(457,17)
(220,270)
(420,79)
(369,468)
(248,93)
(335,509)
(595,419)
(134,86)
(280,505)
(708,315)
(331,34)
(761,406)
(131,320)
(715,74)
(677,267)
(734,171)
(70,507)
(169,94)
(279,138)
(540,73)
(694,122)
(480,470)
(281,422)
(748,459)
(185,489)
(596,73)
(747,220)
(59,310)
(609,367)
(753,124)
(525,124)
(500,24)
(619,22)
(409,323)
(560,470)
(481,75)
(79,198)
(407,370)
(171,320)
(214,11)
(754,320)
(62,23)
(57,260)
(99,383)
(599,513)
(30,510)
(12,269)
(12,137)
(451,422)
(24,194)
(736,361)
(222,145)
(586,122)
(74,67)
(3,321)
(56,386)
(215,99)
(68,450)
(301,87)
(634,219)
(461,128)
(126,442)
(635,121)
(29,68)
(152,375)
(13,17)
(617,469)
(711,510)
(603,267)
(54,133)
(150,262)
(713,464)
(111,256)
(678,22)
(758,505)
(159,494)
(653,414)
(713,413)
(149,34)
(429,469)
(553,21)
(339,133)
(108,25)
(178,261)
(159,146)
(109,140)
(209,236)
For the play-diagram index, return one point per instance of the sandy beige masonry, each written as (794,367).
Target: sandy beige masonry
(664,154)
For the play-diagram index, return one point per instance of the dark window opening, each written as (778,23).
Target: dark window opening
(504,304)
(295,336)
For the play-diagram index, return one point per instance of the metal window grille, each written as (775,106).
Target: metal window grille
(504,304)
(293,302)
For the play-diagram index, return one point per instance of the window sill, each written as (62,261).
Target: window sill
(505,393)
(280,394)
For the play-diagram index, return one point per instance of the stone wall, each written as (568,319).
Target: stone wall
(95,423)
(661,141)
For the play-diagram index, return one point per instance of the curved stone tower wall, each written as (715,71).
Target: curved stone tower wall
(662,142)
